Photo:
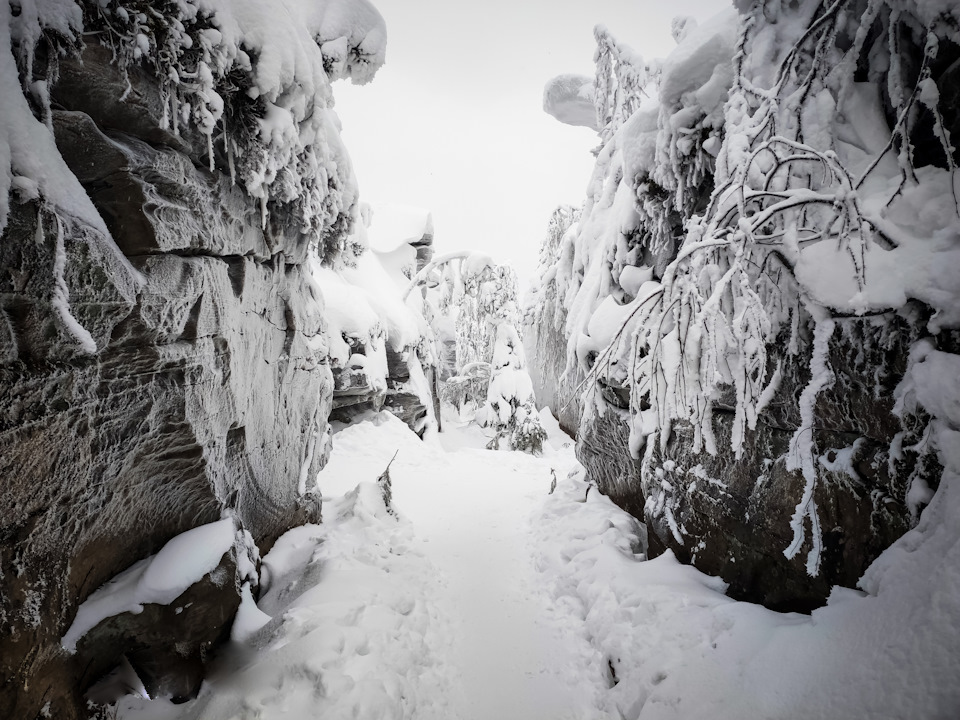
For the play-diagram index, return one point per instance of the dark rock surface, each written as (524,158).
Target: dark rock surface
(209,387)
(743,520)
(603,448)
(730,516)
(167,645)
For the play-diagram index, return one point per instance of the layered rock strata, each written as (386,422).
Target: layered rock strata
(141,399)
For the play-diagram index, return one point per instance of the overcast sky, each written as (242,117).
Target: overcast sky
(454,123)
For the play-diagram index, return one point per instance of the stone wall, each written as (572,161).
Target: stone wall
(208,391)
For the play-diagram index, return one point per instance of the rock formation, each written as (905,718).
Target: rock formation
(406,242)
(168,363)
(730,325)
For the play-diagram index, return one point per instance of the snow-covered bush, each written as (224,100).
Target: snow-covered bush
(510,409)
(468,386)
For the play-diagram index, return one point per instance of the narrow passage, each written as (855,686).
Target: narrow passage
(510,658)
(435,613)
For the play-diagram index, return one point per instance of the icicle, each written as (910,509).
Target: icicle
(210,150)
(231,163)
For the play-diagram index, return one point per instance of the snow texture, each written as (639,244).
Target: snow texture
(510,408)
(394,225)
(31,167)
(681,649)
(254,79)
(366,311)
(569,99)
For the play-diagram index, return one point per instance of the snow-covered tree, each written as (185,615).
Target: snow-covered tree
(481,297)
(488,299)
(510,409)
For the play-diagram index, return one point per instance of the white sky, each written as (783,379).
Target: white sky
(454,123)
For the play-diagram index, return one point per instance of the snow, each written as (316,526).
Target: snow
(701,61)
(31,165)
(801,455)
(394,225)
(509,407)
(159,579)
(364,302)
(569,99)
(27,148)
(483,591)
(935,380)
(287,151)
(249,618)
(728,109)
(488,596)
(289,36)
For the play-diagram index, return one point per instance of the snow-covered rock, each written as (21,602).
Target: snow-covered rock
(569,99)
(163,346)
(164,614)
(729,330)
(382,346)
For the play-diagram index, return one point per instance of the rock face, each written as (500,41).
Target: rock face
(725,513)
(731,382)
(208,388)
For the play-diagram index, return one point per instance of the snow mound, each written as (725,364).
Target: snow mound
(359,454)
(701,61)
(347,626)
(681,649)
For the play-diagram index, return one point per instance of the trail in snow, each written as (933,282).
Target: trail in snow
(515,661)
(511,656)
(437,614)
(485,598)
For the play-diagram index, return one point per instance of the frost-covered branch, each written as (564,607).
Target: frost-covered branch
(421,277)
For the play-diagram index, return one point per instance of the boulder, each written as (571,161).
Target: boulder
(167,645)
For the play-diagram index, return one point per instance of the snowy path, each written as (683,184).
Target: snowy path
(510,658)
(488,599)
(436,615)
(513,661)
